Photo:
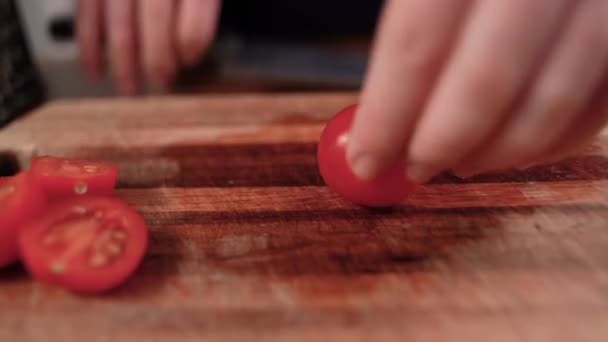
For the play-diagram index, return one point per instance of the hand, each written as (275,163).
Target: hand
(154,37)
(483,85)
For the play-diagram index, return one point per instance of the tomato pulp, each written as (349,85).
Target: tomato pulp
(63,177)
(389,188)
(21,200)
(86,244)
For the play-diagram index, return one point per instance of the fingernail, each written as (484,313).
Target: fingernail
(420,173)
(365,166)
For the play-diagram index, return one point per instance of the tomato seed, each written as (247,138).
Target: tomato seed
(81,188)
(120,236)
(98,260)
(79,210)
(50,239)
(113,249)
(57,267)
(103,238)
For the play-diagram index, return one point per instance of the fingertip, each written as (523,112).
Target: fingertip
(196,26)
(365,166)
(160,74)
(420,173)
(159,48)
(191,49)
(127,89)
(368,154)
(189,58)
(470,166)
(426,157)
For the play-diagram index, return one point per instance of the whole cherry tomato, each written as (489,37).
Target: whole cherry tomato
(388,189)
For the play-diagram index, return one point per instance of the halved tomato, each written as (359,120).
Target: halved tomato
(85,244)
(21,199)
(63,177)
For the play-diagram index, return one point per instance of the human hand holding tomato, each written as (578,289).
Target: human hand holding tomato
(476,86)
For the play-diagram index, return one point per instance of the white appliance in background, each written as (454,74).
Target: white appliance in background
(57,57)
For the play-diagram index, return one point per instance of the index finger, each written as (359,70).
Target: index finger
(121,32)
(195,28)
(412,41)
(89,35)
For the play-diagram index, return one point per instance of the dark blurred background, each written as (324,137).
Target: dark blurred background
(266,45)
(300,19)
(288,45)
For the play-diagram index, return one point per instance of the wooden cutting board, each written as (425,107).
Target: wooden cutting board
(247,244)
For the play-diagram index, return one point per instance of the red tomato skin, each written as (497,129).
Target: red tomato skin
(388,189)
(79,278)
(26,203)
(59,186)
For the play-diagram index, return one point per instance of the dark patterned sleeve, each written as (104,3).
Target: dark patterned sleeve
(21,87)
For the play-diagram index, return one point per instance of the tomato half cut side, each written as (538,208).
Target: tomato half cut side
(85,244)
(390,188)
(21,200)
(65,177)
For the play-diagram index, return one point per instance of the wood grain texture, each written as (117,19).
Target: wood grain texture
(247,244)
